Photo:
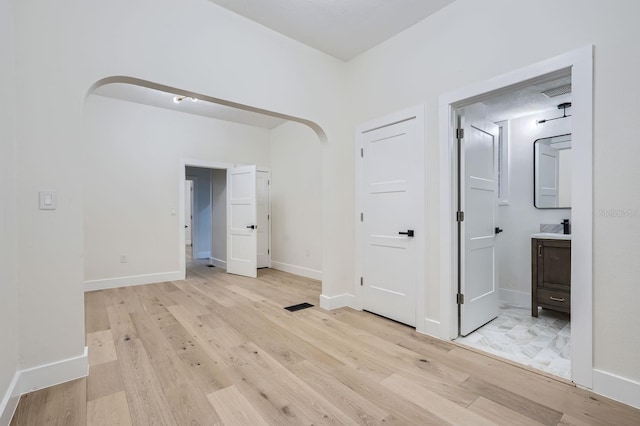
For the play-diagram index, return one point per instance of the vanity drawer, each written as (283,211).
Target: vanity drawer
(555,299)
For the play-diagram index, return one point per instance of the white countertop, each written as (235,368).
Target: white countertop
(551,236)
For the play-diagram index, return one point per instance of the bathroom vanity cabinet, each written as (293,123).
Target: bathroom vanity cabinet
(550,274)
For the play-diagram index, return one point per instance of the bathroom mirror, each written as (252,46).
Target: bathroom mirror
(552,172)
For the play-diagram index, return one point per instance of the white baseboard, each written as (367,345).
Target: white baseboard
(40,377)
(218,262)
(298,270)
(615,387)
(10,401)
(132,280)
(334,302)
(54,373)
(514,297)
(430,327)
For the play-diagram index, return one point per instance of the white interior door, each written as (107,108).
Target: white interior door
(479,202)
(241,221)
(188,211)
(392,199)
(263,215)
(546,175)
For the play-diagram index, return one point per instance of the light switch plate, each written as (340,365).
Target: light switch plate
(48,200)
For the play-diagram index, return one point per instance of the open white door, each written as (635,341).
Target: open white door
(546,175)
(479,202)
(241,221)
(393,205)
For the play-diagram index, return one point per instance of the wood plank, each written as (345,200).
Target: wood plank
(499,414)
(104,379)
(432,402)
(95,308)
(110,410)
(101,347)
(234,409)
(64,404)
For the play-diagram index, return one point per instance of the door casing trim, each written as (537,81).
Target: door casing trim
(580,64)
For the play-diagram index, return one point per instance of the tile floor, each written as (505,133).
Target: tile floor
(542,343)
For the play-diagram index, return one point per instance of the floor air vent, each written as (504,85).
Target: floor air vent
(298,307)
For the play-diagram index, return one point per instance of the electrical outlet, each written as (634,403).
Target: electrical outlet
(123,259)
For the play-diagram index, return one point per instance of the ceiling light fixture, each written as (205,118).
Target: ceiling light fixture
(177,99)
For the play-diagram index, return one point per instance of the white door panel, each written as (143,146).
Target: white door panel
(241,221)
(392,202)
(478,277)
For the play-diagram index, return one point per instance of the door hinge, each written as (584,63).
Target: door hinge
(268,251)
(459,133)
(268,182)
(460,216)
(361,217)
(460,299)
(361,152)
(268,217)
(361,281)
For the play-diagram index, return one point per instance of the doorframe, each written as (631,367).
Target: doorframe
(418,113)
(580,64)
(182,259)
(267,170)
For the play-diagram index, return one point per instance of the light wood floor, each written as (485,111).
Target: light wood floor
(220,349)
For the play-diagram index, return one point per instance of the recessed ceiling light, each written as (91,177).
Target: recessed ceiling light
(177,99)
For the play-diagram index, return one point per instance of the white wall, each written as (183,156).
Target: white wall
(296,200)
(9,316)
(201,211)
(219,217)
(470,41)
(132,156)
(64,47)
(520,218)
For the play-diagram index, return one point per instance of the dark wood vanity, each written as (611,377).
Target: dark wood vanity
(550,275)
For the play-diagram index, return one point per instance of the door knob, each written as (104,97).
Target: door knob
(251,226)
(409,233)
(498,230)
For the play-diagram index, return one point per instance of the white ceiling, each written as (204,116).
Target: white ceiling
(161,99)
(528,100)
(342,28)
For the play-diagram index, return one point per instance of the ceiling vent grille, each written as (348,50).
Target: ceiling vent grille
(562,90)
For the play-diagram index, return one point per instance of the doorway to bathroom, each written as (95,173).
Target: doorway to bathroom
(486,242)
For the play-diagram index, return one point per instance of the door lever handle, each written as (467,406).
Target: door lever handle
(409,233)
(498,230)
(251,227)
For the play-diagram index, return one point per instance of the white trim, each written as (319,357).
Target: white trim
(334,302)
(418,113)
(189,162)
(133,280)
(615,387)
(298,270)
(10,401)
(580,62)
(218,262)
(54,373)
(431,327)
(514,297)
